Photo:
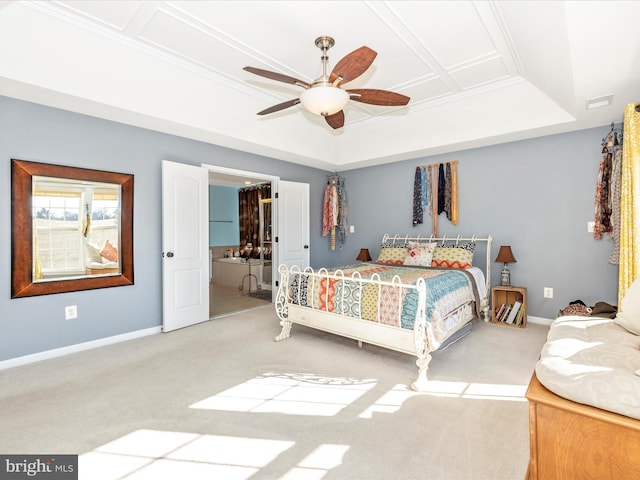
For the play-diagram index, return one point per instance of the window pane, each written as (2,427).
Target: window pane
(104,219)
(56,221)
(73,221)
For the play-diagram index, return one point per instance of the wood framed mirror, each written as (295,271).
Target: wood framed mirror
(71,229)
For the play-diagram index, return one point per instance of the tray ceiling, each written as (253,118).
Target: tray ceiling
(478,73)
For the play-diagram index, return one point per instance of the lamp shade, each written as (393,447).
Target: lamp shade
(364,255)
(324,100)
(505,255)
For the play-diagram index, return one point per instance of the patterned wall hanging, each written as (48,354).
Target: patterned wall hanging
(607,201)
(334,211)
(435,190)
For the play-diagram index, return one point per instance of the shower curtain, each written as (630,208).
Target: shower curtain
(629,198)
(249,210)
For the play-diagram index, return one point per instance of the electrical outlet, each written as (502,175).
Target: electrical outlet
(548,292)
(70,312)
(591,227)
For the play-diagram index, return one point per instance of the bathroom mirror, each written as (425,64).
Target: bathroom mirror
(71,229)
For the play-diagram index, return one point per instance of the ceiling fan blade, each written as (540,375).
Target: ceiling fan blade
(280,106)
(336,120)
(277,76)
(378,97)
(353,65)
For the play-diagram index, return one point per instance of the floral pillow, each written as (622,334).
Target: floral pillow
(452,257)
(109,252)
(392,255)
(420,254)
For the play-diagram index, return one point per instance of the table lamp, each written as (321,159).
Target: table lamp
(505,255)
(364,255)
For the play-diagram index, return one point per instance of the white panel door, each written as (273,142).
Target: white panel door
(293,223)
(185,245)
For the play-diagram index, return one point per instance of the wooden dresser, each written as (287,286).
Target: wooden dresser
(572,441)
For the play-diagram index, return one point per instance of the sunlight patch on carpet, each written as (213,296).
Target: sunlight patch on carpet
(289,393)
(392,400)
(159,455)
(155,455)
(316,465)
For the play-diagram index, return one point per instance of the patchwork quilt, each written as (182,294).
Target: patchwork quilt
(448,292)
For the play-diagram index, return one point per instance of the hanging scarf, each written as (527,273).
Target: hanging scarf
(342,212)
(334,206)
(447,191)
(418,213)
(441,188)
(429,189)
(602,222)
(616,181)
(334,211)
(328,220)
(423,183)
(86,221)
(454,193)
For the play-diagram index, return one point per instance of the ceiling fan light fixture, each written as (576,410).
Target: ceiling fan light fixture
(324,100)
(325,96)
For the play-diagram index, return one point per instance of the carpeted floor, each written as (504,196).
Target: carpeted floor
(222,400)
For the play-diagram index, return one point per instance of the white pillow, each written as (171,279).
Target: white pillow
(628,316)
(93,253)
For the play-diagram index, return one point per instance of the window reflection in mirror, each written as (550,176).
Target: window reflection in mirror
(76,228)
(71,229)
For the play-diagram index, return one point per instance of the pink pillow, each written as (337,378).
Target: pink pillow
(109,252)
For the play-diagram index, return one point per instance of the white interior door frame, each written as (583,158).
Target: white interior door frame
(274,188)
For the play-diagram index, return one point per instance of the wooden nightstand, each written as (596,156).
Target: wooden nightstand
(504,298)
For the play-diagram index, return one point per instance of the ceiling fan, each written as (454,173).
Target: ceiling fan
(325,96)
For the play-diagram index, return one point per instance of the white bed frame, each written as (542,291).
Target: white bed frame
(418,342)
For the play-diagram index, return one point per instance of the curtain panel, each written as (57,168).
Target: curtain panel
(629,198)
(249,212)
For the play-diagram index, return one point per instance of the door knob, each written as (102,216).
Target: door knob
(306,246)
(169,254)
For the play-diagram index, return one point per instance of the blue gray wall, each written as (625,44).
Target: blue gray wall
(536,195)
(33,132)
(224,218)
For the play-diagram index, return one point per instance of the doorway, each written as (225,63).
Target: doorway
(237,277)
(186,270)
(186,262)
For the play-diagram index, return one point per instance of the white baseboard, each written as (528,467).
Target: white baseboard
(540,320)
(79,347)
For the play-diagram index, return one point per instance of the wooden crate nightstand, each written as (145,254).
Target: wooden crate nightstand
(509,305)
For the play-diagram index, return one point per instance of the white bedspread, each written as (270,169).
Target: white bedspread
(481,283)
(592,361)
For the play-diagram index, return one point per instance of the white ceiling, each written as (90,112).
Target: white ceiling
(478,72)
